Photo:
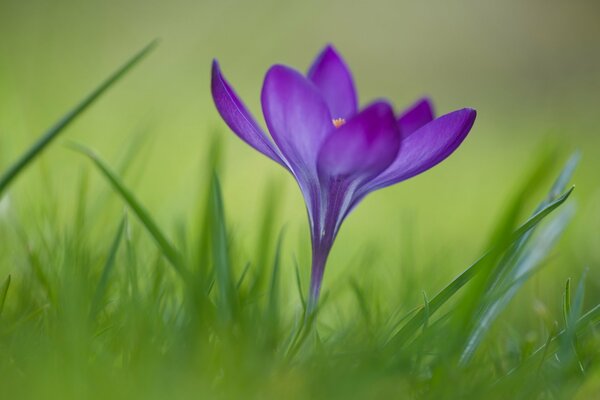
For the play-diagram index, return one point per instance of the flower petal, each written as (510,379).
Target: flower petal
(334,79)
(416,116)
(363,147)
(427,147)
(237,116)
(297,117)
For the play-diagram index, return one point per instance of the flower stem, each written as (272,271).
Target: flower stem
(319,259)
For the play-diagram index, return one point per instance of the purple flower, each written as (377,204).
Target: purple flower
(337,153)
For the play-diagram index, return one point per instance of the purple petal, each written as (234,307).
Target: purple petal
(237,116)
(334,79)
(415,117)
(297,117)
(363,147)
(427,147)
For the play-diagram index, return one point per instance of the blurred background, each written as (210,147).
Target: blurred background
(531,69)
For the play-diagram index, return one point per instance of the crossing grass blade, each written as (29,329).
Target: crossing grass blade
(556,341)
(523,264)
(503,250)
(411,327)
(106,271)
(518,264)
(168,250)
(590,318)
(46,138)
(567,349)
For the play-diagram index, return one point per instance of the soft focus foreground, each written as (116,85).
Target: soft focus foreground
(94,307)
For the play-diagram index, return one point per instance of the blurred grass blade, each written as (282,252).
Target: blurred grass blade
(541,214)
(568,343)
(12,172)
(220,250)
(170,252)
(361,301)
(204,217)
(465,311)
(590,319)
(411,327)
(421,349)
(4,292)
(565,177)
(523,267)
(567,302)
(106,271)
(272,201)
(134,152)
(519,263)
(426,310)
(273,305)
(299,284)
(132,261)
(240,280)
(577,305)
(82,201)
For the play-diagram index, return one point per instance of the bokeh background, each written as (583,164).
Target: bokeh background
(531,69)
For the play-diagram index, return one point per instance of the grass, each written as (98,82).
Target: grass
(111,305)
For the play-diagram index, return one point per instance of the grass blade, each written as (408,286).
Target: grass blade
(568,343)
(446,293)
(168,250)
(4,292)
(567,302)
(11,173)
(272,200)
(240,280)
(220,251)
(204,229)
(108,266)
(522,267)
(273,301)
(299,285)
(518,264)
(590,318)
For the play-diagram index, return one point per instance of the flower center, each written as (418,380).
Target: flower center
(338,122)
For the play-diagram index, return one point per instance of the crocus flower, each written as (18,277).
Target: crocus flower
(337,152)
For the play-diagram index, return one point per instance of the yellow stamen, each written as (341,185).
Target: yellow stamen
(338,122)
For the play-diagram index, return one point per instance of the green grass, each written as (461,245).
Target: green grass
(108,304)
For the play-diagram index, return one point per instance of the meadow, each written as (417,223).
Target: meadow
(146,252)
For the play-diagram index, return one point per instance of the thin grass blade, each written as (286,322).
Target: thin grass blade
(299,285)
(4,292)
(568,343)
(106,271)
(519,263)
(524,267)
(13,171)
(220,250)
(274,286)
(567,302)
(589,319)
(168,250)
(411,327)
(272,200)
